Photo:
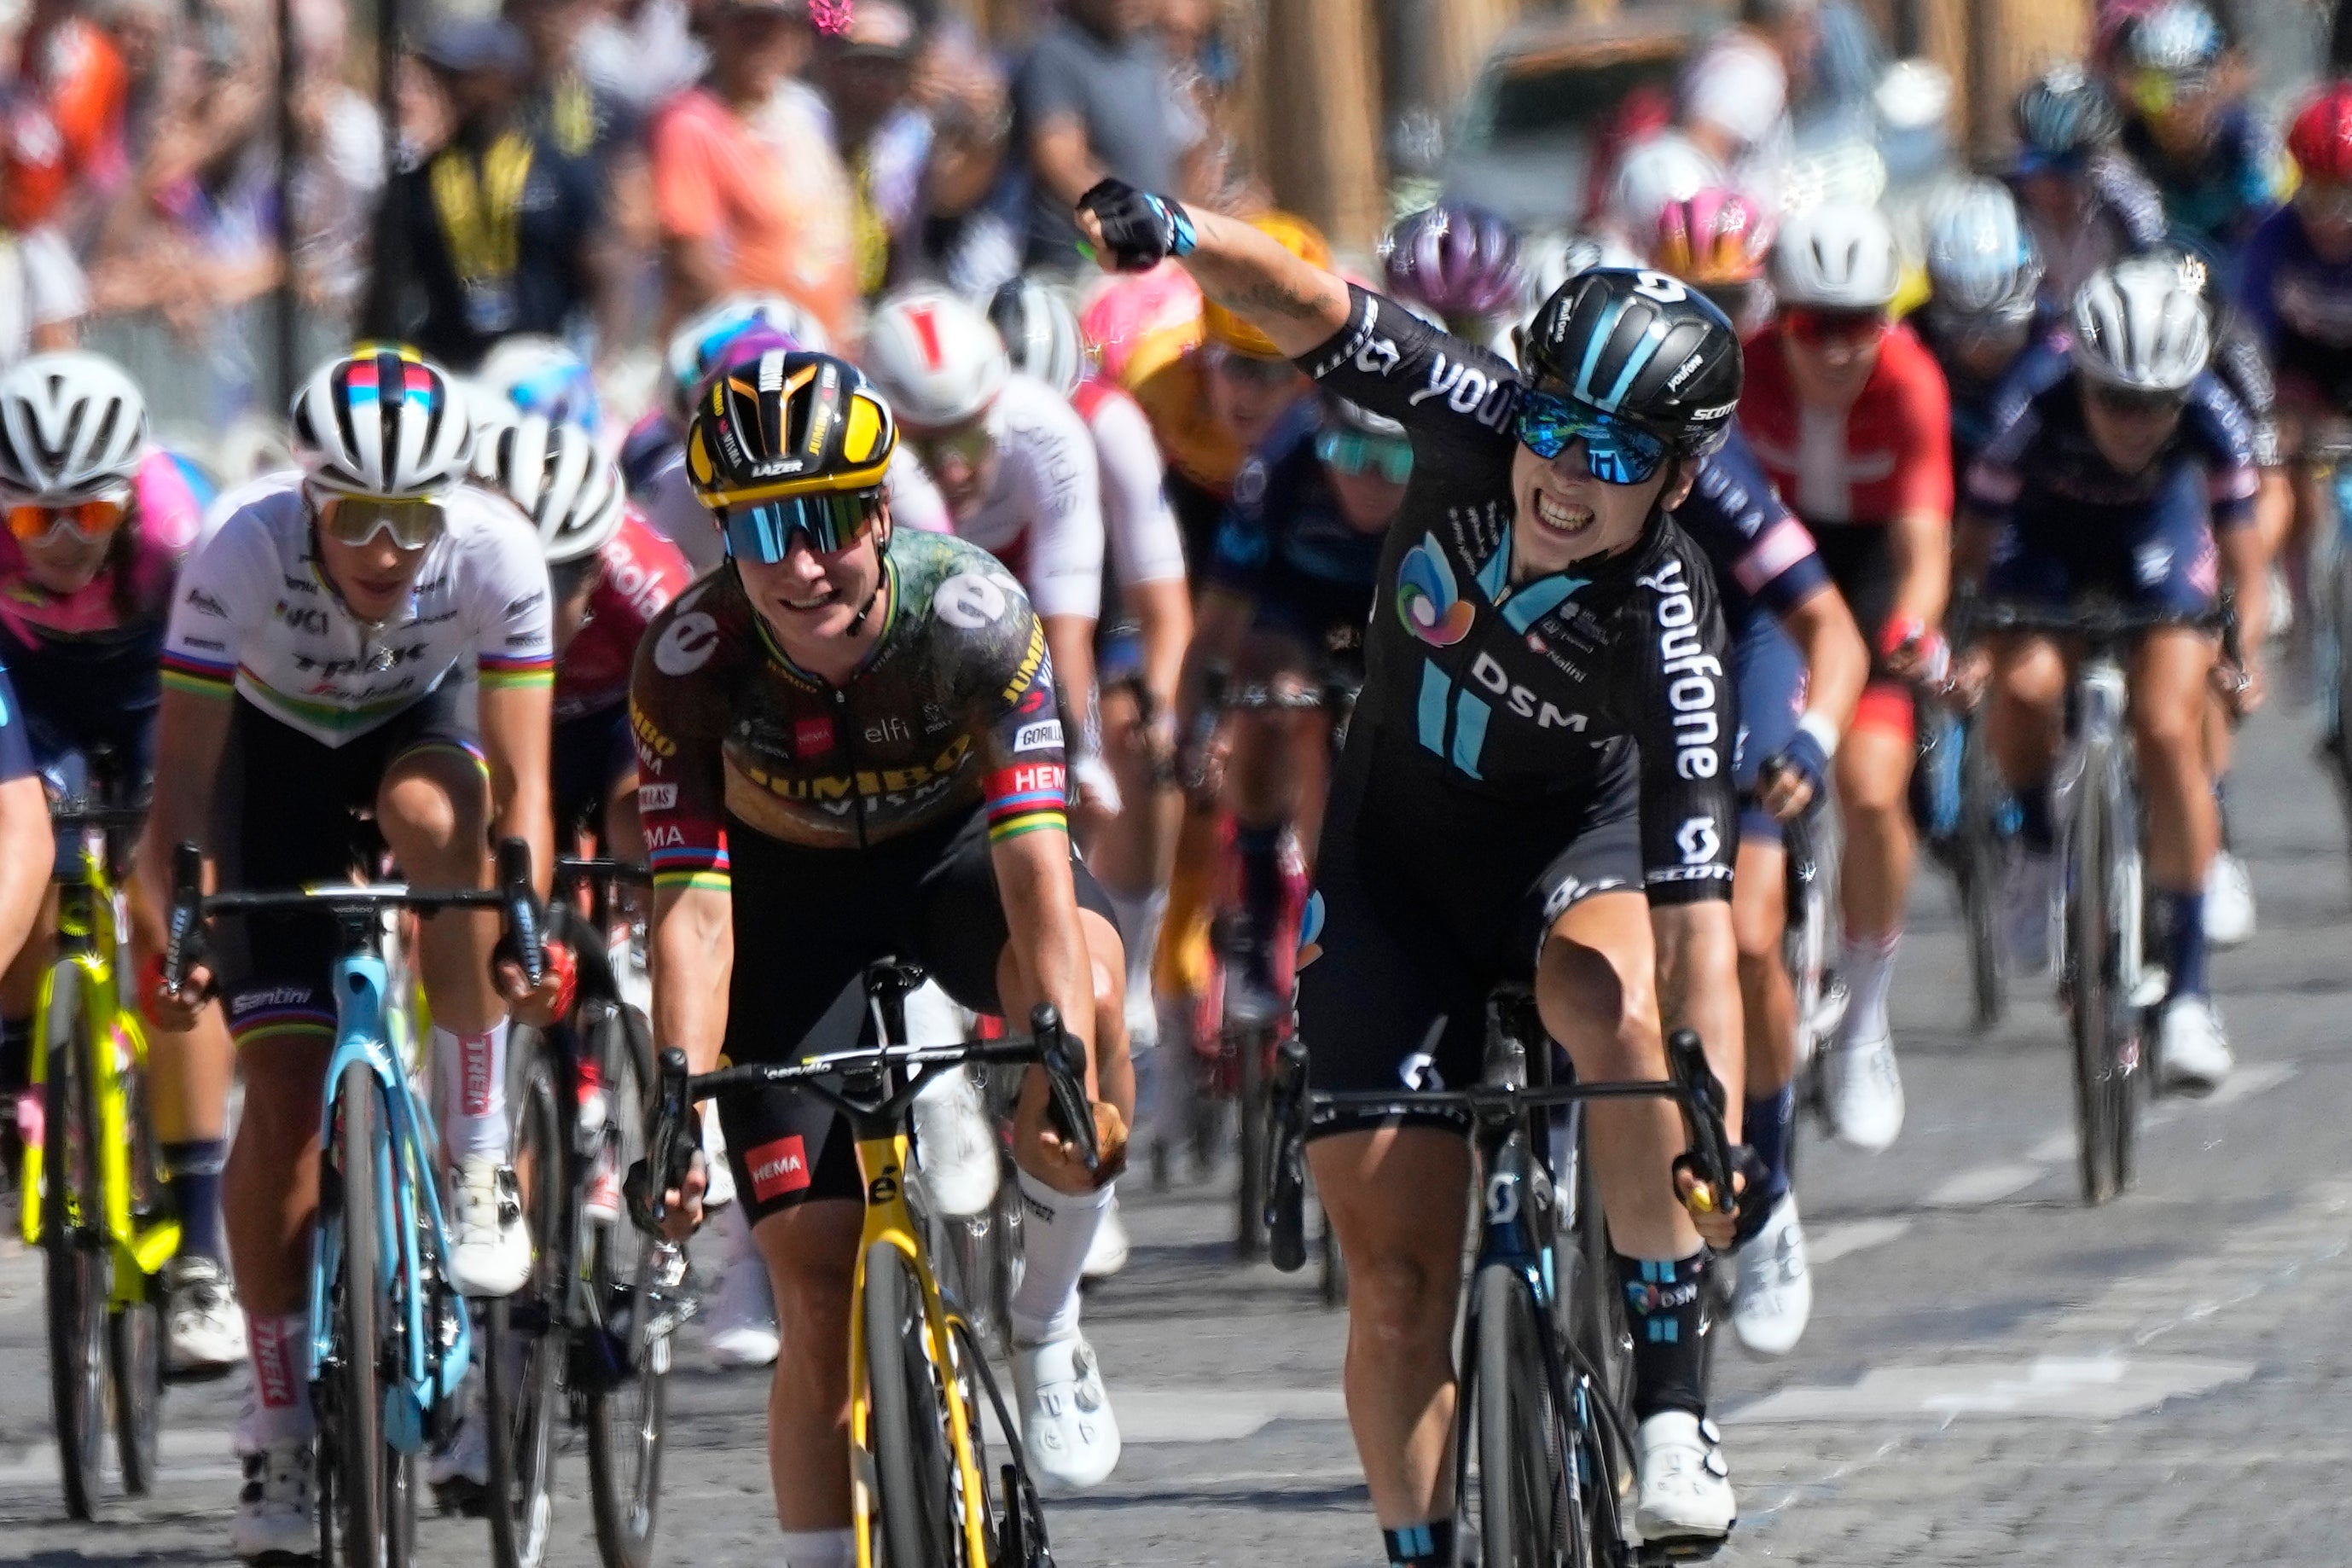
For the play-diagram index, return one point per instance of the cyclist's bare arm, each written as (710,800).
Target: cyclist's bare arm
(517,726)
(1294,302)
(2246,568)
(1217,640)
(1699,988)
(690,951)
(1163,612)
(26,850)
(191,733)
(1921,552)
(1049,953)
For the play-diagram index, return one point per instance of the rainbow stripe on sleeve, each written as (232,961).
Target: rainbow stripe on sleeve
(502,671)
(1025,798)
(200,676)
(692,866)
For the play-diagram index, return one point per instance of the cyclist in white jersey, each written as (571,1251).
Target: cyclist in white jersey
(366,633)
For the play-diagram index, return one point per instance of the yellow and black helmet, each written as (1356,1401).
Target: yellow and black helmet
(787,423)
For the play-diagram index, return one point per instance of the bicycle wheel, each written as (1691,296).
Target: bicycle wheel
(1602,1334)
(353,1457)
(74,1247)
(135,1328)
(627,1276)
(1253,1139)
(1979,869)
(1521,1511)
(915,1462)
(2091,976)
(522,1358)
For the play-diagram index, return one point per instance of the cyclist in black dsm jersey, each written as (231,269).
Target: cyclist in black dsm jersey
(1542,755)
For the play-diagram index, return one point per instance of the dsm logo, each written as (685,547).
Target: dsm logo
(1427,600)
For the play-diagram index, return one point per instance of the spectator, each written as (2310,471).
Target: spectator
(559,101)
(495,233)
(867,74)
(751,196)
(1206,72)
(641,52)
(970,226)
(1096,97)
(60,121)
(1736,94)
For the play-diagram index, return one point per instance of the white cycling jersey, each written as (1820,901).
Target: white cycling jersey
(1043,515)
(1146,544)
(252,614)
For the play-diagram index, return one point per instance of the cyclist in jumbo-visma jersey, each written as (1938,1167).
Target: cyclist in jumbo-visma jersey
(365,634)
(850,749)
(1540,759)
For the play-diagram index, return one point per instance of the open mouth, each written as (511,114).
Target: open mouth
(823,597)
(1561,516)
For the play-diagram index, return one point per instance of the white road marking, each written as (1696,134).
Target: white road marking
(1985,1184)
(2069,1388)
(1832,1242)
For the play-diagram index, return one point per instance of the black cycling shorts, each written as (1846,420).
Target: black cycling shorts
(285,811)
(592,753)
(807,922)
(1429,899)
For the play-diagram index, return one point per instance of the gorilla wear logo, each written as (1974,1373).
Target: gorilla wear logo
(1432,608)
(686,644)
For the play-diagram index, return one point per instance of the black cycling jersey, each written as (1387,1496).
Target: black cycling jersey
(1286,546)
(1525,693)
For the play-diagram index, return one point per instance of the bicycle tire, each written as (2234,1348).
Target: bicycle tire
(353,1459)
(1980,875)
(520,1358)
(1520,1512)
(135,1330)
(2091,976)
(1602,1333)
(2127,1059)
(75,1253)
(1252,1140)
(914,1460)
(626,1420)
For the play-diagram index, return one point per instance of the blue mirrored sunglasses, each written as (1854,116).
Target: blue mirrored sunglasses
(1615,453)
(763,531)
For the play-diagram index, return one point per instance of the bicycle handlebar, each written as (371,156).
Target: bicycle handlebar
(2099,623)
(669,1150)
(68,816)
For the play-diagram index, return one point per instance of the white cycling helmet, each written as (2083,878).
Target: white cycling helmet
(1840,257)
(542,375)
(1040,332)
(1668,167)
(1980,259)
(571,491)
(935,358)
(695,348)
(384,421)
(72,427)
(2141,323)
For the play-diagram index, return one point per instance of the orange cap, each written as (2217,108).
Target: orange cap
(1229,331)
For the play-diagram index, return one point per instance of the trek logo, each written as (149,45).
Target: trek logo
(1692,693)
(1521,702)
(273,1362)
(778,1168)
(474,1056)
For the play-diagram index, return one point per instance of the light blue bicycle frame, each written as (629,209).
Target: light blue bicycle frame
(402,1160)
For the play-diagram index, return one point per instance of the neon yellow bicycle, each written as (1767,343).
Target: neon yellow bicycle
(95,1203)
(920,1477)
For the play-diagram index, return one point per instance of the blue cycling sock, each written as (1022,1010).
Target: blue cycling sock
(1662,1307)
(2034,823)
(2186,942)
(1429,1545)
(193,1172)
(1766,1128)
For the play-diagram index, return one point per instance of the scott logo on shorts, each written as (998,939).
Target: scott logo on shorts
(778,1168)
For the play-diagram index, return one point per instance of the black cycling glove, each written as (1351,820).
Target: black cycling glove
(1805,757)
(1142,230)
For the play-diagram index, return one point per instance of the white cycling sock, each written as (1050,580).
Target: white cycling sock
(1867,966)
(473,1069)
(278,1406)
(820,1549)
(1057,1228)
(1139,915)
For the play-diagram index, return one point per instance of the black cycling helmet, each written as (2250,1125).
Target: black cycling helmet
(787,423)
(1643,347)
(2063,113)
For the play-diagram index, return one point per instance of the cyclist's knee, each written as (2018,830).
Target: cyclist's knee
(433,804)
(1760,914)
(811,1252)
(1401,1296)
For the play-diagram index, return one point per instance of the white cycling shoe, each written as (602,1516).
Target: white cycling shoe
(1772,1297)
(1106,1253)
(2229,901)
(2192,1054)
(740,1319)
(1864,1092)
(1068,1433)
(955,1146)
(491,1254)
(204,1333)
(2026,899)
(1684,1488)
(277,1509)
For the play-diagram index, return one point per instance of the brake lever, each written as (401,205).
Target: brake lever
(521,907)
(1066,1076)
(1701,1098)
(663,1168)
(183,931)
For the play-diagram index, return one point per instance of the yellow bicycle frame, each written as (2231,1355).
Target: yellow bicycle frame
(883,1161)
(88,936)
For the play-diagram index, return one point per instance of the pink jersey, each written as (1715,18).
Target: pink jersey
(642,572)
(132,592)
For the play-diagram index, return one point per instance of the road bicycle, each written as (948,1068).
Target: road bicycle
(96,1204)
(1543,1446)
(2330,594)
(389,1337)
(919,1497)
(589,1337)
(2106,982)
(1967,831)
